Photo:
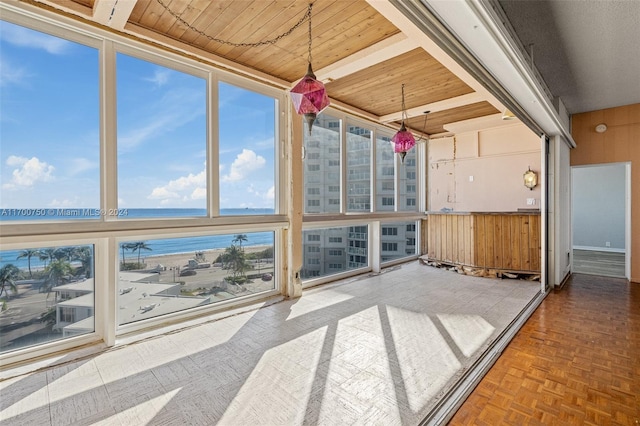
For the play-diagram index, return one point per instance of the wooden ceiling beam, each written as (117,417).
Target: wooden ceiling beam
(486,122)
(443,105)
(113,13)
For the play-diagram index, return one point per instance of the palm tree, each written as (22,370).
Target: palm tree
(64,253)
(239,238)
(8,275)
(84,255)
(56,271)
(47,255)
(123,247)
(28,253)
(140,245)
(237,262)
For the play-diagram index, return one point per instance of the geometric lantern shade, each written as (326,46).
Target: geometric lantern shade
(530,179)
(309,97)
(403,141)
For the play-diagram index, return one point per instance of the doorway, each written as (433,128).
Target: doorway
(600,219)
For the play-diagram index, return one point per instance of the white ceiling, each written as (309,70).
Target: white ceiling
(587,51)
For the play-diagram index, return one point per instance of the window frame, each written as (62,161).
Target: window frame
(104,233)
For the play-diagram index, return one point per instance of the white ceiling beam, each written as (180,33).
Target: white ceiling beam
(113,13)
(397,18)
(384,50)
(443,105)
(479,123)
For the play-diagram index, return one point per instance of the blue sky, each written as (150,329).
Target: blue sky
(49,131)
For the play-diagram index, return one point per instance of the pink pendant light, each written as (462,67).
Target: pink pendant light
(309,96)
(403,140)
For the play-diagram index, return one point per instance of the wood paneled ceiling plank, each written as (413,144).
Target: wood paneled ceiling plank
(443,105)
(283,55)
(283,15)
(379,86)
(211,13)
(390,12)
(239,30)
(328,42)
(203,17)
(259,57)
(139,10)
(437,121)
(151,15)
(388,48)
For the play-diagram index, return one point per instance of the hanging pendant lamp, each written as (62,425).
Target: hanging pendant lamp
(309,96)
(403,140)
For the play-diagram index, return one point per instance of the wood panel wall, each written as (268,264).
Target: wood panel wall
(620,143)
(510,242)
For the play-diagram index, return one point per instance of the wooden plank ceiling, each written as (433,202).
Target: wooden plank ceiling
(358,51)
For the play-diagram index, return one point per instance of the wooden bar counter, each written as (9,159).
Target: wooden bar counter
(506,241)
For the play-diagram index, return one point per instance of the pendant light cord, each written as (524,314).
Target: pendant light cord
(404,108)
(274,40)
(309,14)
(404,116)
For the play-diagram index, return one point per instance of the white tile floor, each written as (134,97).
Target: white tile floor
(373,350)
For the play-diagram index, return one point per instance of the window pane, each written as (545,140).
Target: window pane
(407,190)
(161,139)
(358,169)
(322,166)
(247,151)
(397,240)
(329,251)
(162,276)
(46,293)
(50,144)
(385,174)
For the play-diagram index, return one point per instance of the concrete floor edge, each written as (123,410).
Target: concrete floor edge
(455,397)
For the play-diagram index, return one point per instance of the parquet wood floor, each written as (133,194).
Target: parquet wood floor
(576,361)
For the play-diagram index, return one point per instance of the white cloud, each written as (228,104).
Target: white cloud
(245,163)
(162,193)
(160,77)
(29,171)
(199,194)
(186,187)
(79,165)
(11,73)
(23,37)
(65,203)
(172,111)
(271,193)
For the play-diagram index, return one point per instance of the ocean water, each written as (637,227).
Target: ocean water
(157,246)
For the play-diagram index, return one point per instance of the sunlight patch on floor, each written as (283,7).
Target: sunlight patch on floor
(140,414)
(317,301)
(266,396)
(469,332)
(424,355)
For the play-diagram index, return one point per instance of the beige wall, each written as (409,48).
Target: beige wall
(620,143)
(495,158)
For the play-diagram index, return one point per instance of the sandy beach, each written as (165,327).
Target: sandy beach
(172,265)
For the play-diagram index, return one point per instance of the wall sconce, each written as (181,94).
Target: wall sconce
(530,179)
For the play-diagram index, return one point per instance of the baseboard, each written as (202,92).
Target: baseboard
(590,248)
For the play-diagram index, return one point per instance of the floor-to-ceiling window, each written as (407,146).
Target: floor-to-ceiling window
(356,187)
(136,185)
